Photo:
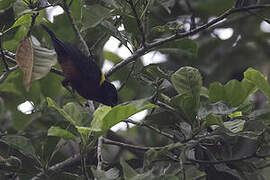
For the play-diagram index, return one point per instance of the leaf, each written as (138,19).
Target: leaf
(44,59)
(234,92)
(213,7)
(188,105)
(99,115)
(106,117)
(85,132)
(93,15)
(23,20)
(154,71)
(167,4)
(180,46)
(213,119)
(128,171)
(216,108)
(259,80)
(68,117)
(4,4)
(75,114)
(59,132)
(110,174)
(153,155)
(188,83)
(114,58)
(20,143)
(187,80)
(235,126)
(24,59)
(235,114)
(115,32)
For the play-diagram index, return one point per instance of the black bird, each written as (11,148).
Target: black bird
(82,73)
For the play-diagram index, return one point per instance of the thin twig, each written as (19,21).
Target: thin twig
(2,52)
(34,16)
(255,155)
(84,169)
(140,26)
(76,29)
(151,127)
(128,76)
(192,18)
(259,16)
(116,143)
(99,153)
(66,165)
(143,50)
(5,74)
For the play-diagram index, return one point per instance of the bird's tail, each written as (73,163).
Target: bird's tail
(58,44)
(49,31)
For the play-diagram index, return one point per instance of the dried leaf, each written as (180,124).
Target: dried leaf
(24,58)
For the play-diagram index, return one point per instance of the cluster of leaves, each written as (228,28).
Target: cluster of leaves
(193,129)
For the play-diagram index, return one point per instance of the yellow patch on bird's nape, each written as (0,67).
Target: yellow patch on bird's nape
(102,79)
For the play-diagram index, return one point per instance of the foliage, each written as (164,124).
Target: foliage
(207,112)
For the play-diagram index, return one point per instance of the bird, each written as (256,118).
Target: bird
(82,73)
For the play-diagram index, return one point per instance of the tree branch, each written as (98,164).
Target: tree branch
(150,127)
(2,52)
(5,74)
(116,143)
(143,50)
(76,29)
(255,155)
(66,165)
(140,26)
(99,151)
(34,16)
(192,18)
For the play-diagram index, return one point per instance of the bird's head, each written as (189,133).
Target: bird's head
(108,94)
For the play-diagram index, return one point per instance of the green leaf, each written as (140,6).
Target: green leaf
(167,4)
(259,80)
(213,119)
(188,105)
(188,83)
(235,114)
(213,7)
(75,114)
(25,21)
(93,15)
(180,46)
(110,174)
(99,115)
(128,171)
(114,58)
(59,132)
(235,126)
(234,92)
(153,71)
(4,4)
(187,80)
(85,131)
(105,117)
(68,117)
(20,143)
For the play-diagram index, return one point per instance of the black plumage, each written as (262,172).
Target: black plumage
(82,73)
